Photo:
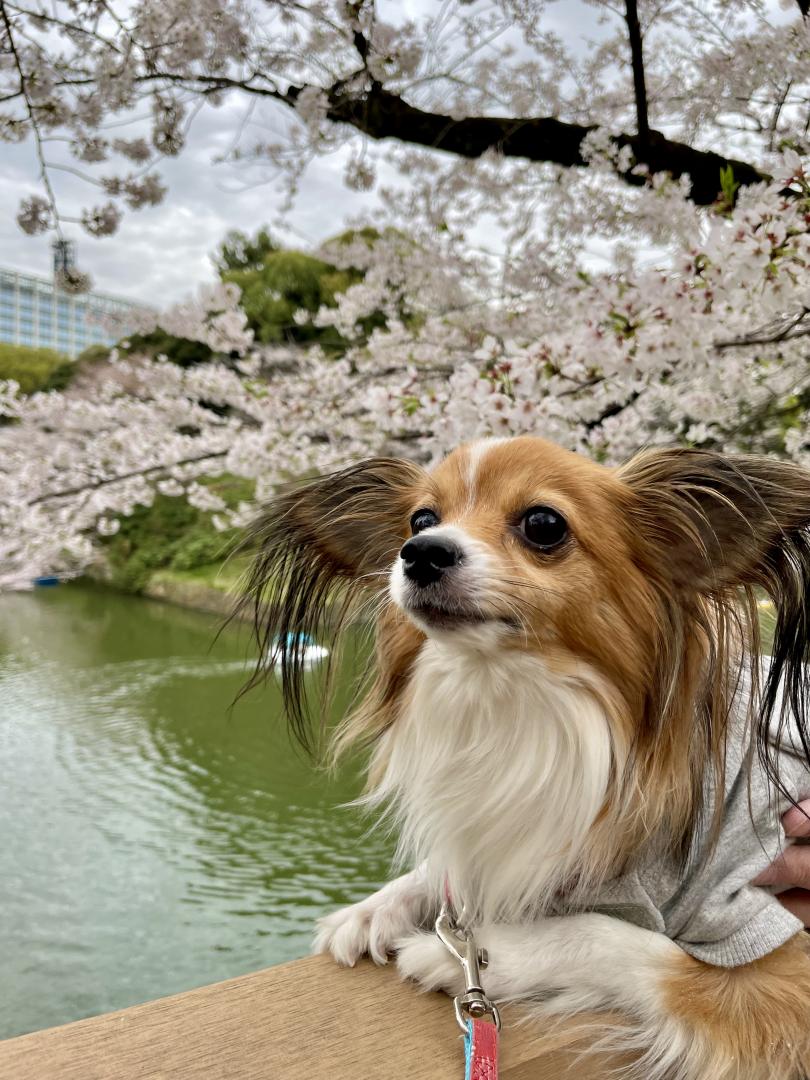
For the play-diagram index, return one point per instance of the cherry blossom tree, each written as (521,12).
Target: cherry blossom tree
(605,244)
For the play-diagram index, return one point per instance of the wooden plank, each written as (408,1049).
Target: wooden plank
(306,1020)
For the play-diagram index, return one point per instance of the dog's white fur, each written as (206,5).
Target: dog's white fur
(503,810)
(494,772)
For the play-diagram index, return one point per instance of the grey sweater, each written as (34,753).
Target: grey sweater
(710,908)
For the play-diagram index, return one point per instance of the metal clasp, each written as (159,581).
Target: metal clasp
(461,943)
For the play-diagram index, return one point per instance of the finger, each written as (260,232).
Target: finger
(797,901)
(792,867)
(796,821)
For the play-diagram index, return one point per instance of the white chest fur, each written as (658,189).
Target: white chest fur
(495,772)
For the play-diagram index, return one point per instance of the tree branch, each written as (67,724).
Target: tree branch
(637,63)
(124,476)
(32,116)
(382,115)
(775,332)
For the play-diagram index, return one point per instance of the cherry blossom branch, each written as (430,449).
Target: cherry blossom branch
(786,332)
(381,114)
(43,169)
(95,484)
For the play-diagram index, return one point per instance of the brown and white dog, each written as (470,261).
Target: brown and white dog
(560,647)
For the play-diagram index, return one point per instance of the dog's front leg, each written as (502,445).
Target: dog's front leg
(589,958)
(684,1018)
(372,926)
(580,963)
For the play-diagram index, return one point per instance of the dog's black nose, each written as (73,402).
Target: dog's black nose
(425,558)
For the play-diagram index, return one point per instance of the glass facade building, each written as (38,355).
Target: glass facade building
(33,312)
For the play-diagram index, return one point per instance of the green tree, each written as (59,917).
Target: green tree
(288,282)
(276,283)
(238,251)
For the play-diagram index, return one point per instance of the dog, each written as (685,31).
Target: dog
(573,727)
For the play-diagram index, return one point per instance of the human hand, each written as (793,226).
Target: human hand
(792,867)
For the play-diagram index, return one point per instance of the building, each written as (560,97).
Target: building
(34,312)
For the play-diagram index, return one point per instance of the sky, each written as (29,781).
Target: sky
(160,254)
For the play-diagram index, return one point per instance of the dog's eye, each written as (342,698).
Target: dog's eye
(544,527)
(423,519)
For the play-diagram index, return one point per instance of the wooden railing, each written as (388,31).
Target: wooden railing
(308,1020)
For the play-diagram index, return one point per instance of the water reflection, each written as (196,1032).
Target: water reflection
(153,839)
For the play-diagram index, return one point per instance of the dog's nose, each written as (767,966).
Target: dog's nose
(425,558)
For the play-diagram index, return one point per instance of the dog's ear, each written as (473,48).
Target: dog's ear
(710,525)
(717,521)
(320,544)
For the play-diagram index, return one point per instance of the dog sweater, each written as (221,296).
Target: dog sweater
(709,906)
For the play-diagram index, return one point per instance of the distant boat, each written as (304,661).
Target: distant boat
(46,581)
(305,644)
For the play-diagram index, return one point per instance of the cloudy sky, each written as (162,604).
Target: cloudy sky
(160,253)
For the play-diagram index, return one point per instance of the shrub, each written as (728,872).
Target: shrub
(180,351)
(93,354)
(35,369)
(171,534)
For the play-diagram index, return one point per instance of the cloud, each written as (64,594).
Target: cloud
(162,253)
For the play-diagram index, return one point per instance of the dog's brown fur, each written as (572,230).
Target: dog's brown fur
(750,1022)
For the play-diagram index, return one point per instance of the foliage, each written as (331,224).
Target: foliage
(218,325)
(170,534)
(278,288)
(93,354)
(158,343)
(35,369)
(276,296)
(238,251)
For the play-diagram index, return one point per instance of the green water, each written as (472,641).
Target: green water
(151,840)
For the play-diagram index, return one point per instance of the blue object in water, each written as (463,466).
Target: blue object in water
(303,644)
(46,582)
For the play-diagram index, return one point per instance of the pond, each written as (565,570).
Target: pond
(153,839)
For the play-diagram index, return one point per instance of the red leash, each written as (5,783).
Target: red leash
(481,1050)
(480,1035)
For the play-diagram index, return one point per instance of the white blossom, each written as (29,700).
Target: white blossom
(34,215)
(506,295)
(102,220)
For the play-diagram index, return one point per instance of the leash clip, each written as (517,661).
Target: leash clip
(473,1003)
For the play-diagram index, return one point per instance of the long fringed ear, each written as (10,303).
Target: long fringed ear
(712,526)
(321,544)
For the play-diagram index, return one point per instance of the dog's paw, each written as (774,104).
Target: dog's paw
(422,958)
(371,927)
